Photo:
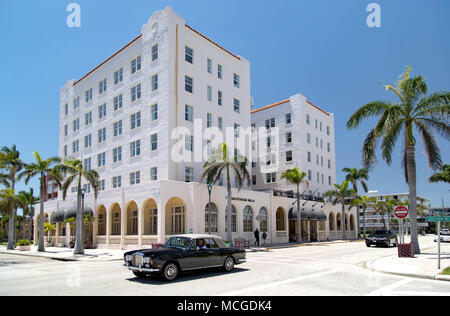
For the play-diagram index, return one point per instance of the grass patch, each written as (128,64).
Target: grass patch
(446,271)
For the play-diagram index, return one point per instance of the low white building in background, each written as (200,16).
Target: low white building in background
(141,119)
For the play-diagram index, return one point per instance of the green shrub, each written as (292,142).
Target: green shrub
(24,242)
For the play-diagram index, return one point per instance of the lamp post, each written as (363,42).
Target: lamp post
(209,208)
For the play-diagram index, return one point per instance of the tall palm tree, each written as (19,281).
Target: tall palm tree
(41,168)
(443,176)
(11,163)
(341,195)
(381,207)
(75,171)
(364,202)
(8,201)
(356,176)
(27,202)
(221,161)
(415,110)
(297,177)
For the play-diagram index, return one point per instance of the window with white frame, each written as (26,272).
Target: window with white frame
(135,178)
(76,125)
(76,102)
(102,135)
(102,111)
(308,138)
(88,141)
(308,119)
(219,71)
(236,105)
(237,131)
(118,102)
(219,98)
(288,137)
(101,187)
(66,109)
(329,164)
(309,175)
(328,147)
(189,54)
(209,93)
(188,84)
(117,182)
(75,146)
(209,65)
(117,128)
(220,123)
(65,150)
(88,95)
(135,148)
(289,156)
(188,174)
(288,118)
(117,154)
(208,120)
(66,130)
(87,164)
(236,80)
(154,173)
(154,142)
(155,82)
(102,86)
(271,177)
(154,52)
(135,120)
(270,123)
(328,130)
(88,118)
(136,92)
(118,76)
(189,142)
(309,156)
(136,64)
(189,113)
(101,160)
(154,112)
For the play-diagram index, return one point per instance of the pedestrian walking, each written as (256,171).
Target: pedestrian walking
(264,237)
(257,237)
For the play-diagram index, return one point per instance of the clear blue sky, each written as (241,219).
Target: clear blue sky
(321,49)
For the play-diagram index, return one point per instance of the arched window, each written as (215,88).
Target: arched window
(211,208)
(338,221)
(352,224)
(248,219)
(178,220)
(101,222)
(132,219)
(263,219)
(150,210)
(115,221)
(233,219)
(331,221)
(280,219)
(346,222)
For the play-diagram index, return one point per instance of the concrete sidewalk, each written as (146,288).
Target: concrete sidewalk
(421,266)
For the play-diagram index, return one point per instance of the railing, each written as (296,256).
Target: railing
(149,240)
(114,240)
(101,239)
(131,240)
(281,234)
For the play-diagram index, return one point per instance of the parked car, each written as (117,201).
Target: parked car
(382,237)
(183,253)
(445,237)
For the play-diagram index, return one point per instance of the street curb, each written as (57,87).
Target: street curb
(314,244)
(37,256)
(442,277)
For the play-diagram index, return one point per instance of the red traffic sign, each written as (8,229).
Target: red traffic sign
(401,212)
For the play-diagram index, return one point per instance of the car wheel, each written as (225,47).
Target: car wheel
(170,272)
(368,245)
(139,274)
(229,264)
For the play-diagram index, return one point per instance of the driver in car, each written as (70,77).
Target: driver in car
(201,243)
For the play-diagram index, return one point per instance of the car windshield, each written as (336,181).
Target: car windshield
(178,242)
(379,233)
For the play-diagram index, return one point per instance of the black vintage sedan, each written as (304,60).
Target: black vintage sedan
(183,253)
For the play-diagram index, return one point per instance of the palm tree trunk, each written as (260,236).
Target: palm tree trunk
(11,229)
(41,246)
(299,217)
(343,220)
(24,226)
(79,241)
(364,222)
(411,169)
(30,228)
(229,228)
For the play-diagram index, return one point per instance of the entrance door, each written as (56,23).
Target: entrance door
(313,228)
(292,229)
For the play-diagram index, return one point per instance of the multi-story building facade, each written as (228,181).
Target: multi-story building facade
(145,120)
(294,132)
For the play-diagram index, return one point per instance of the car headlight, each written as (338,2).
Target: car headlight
(129,258)
(147,260)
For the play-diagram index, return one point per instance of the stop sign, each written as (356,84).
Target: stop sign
(401,212)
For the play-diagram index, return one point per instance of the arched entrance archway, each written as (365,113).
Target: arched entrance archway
(101,220)
(211,208)
(175,216)
(263,219)
(331,223)
(150,214)
(280,218)
(116,221)
(132,212)
(248,219)
(233,219)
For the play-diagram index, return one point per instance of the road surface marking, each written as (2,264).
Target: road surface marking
(278,283)
(388,289)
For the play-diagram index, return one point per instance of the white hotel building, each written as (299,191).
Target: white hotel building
(119,119)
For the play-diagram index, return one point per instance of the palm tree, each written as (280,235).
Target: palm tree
(341,195)
(414,110)
(41,168)
(390,206)
(364,202)
(356,176)
(9,201)
(381,207)
(27,202)
(223,161)
(297,177)
(11,164)
(75,171)
(443,176)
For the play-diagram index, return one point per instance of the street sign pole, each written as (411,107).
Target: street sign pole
(439,244)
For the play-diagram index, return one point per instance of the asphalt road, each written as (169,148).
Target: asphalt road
(314,270)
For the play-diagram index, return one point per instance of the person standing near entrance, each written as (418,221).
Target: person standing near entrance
(264,237)
(257,237)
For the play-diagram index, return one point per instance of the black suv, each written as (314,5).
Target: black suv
(382,237)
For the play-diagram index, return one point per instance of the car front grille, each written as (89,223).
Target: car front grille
(138,260)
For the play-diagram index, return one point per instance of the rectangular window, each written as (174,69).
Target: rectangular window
(76,102)
(309,156)
(329,164)
(117,182)
(189,174)
(154,173)
(237,105)
(189,55)
(66,130)
(102,111)
(189,113)
(219,71)
(209,65)
(88,95)
(328,147)
(307,119)
(75,146)
(65,150)
(101,186)
(76,125)
(87,164)
(308,138)
(309,175)
(118,102)
(288,137)
(253,180)
(118,76)
(208,120)
(219,98)
(117,128)
(88,118)
(66,109)
(188,84)
(288,118)
(320,126)
(270,123)
(288,156)
(87,141)
(154,142)
(136,93)
(136,64)
(135,120)
(102,135)
(135,178)
(102,86)
(328,130)
(117,154)
(209,93)
(101,160)
(135,148)
(329,180)
(155,82)
(154,52)
(315,123)
(220,123)
(271,177)
(154,110)
(237,128)
(236,80)
(189,142)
